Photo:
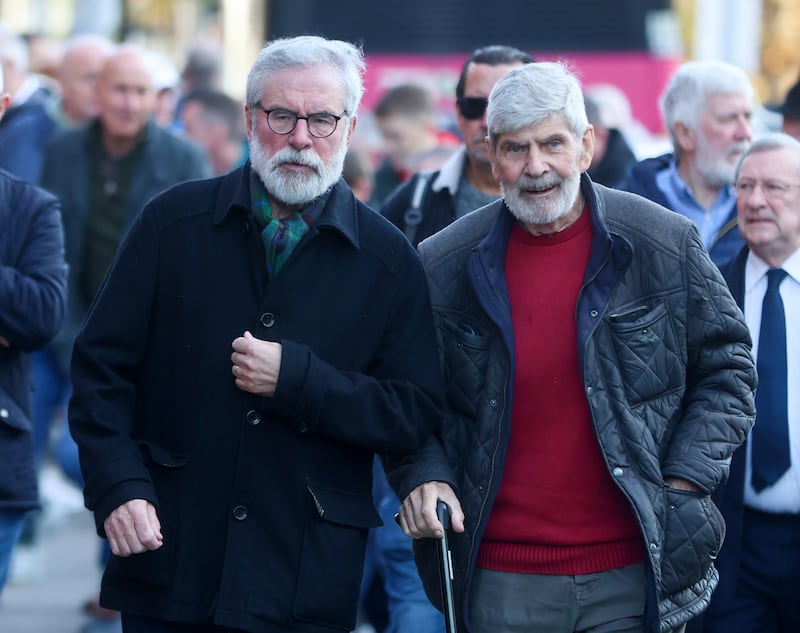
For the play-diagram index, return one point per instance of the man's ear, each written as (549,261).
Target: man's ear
(587,149)
(685,137)
(247,123)
(351,128)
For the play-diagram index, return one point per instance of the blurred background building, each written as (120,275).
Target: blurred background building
(632,44)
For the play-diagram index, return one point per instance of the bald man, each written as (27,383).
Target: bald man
(103,173)
(83,59)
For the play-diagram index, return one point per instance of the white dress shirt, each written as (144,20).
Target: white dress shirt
(784,495)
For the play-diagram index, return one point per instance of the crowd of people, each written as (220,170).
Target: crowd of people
(265,354)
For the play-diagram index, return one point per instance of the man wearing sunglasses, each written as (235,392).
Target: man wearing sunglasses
(431,201)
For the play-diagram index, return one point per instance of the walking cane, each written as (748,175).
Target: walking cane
(446,569)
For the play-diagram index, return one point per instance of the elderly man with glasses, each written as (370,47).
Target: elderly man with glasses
(260,336)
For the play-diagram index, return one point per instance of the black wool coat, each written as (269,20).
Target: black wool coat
(265,503)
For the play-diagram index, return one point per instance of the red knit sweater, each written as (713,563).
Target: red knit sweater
(558,510)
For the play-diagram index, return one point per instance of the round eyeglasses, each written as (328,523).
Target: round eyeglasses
(320,124)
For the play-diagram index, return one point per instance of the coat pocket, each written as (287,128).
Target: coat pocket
(155,568)
(332,560)
(693,535)
(465,348)
(647,351)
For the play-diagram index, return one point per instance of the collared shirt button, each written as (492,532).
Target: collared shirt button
(240,513)
(253,418)
(594,313)
(618,472)
(268,319)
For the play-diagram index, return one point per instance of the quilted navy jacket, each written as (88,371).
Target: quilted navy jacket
(33,287)
(667,369)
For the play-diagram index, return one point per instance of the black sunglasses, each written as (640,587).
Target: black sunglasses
(472,107)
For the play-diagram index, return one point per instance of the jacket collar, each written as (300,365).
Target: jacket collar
(339,214)
(451,172)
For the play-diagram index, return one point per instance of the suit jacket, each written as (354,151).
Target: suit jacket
(166,160)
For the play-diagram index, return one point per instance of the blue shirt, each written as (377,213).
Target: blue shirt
(681,199)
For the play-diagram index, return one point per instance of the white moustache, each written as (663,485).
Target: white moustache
(288,155)
(538,184)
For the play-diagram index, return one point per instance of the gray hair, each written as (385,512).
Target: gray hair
(304,52)
(532,93)
(685,98)
(768,143)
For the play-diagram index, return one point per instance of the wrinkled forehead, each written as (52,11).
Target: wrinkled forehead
(317,88)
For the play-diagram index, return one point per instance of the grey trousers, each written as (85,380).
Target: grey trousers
(605,602)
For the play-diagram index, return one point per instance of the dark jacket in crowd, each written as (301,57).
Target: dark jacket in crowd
(668,375)
(641,179)
(165,161)
(424,204)
(25,132)
(265,502)
(614,165)
(33,288)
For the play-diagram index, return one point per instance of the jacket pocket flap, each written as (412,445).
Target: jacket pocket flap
(345,508)
(156,454)
(12,415)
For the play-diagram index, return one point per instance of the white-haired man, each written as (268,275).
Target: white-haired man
(259,337)
(600,378)
(708,109)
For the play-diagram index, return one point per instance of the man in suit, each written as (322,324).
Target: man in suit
(759,563)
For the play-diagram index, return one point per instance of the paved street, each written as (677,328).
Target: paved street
(69,572)
(69,575)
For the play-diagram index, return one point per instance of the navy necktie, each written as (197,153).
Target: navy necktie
(770,435)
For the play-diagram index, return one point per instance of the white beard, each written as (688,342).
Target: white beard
(714,167)
(294,188)
(540,211)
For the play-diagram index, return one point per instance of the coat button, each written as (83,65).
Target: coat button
(594,313)
(4,413)
(653,547)
(240,513)
(268,319)
(493,403)
(617,472)
(304,427)
(253,418)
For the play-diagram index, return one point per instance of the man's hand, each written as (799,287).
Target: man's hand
(417,515)
(256,364)
(133,528)
(682,484)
